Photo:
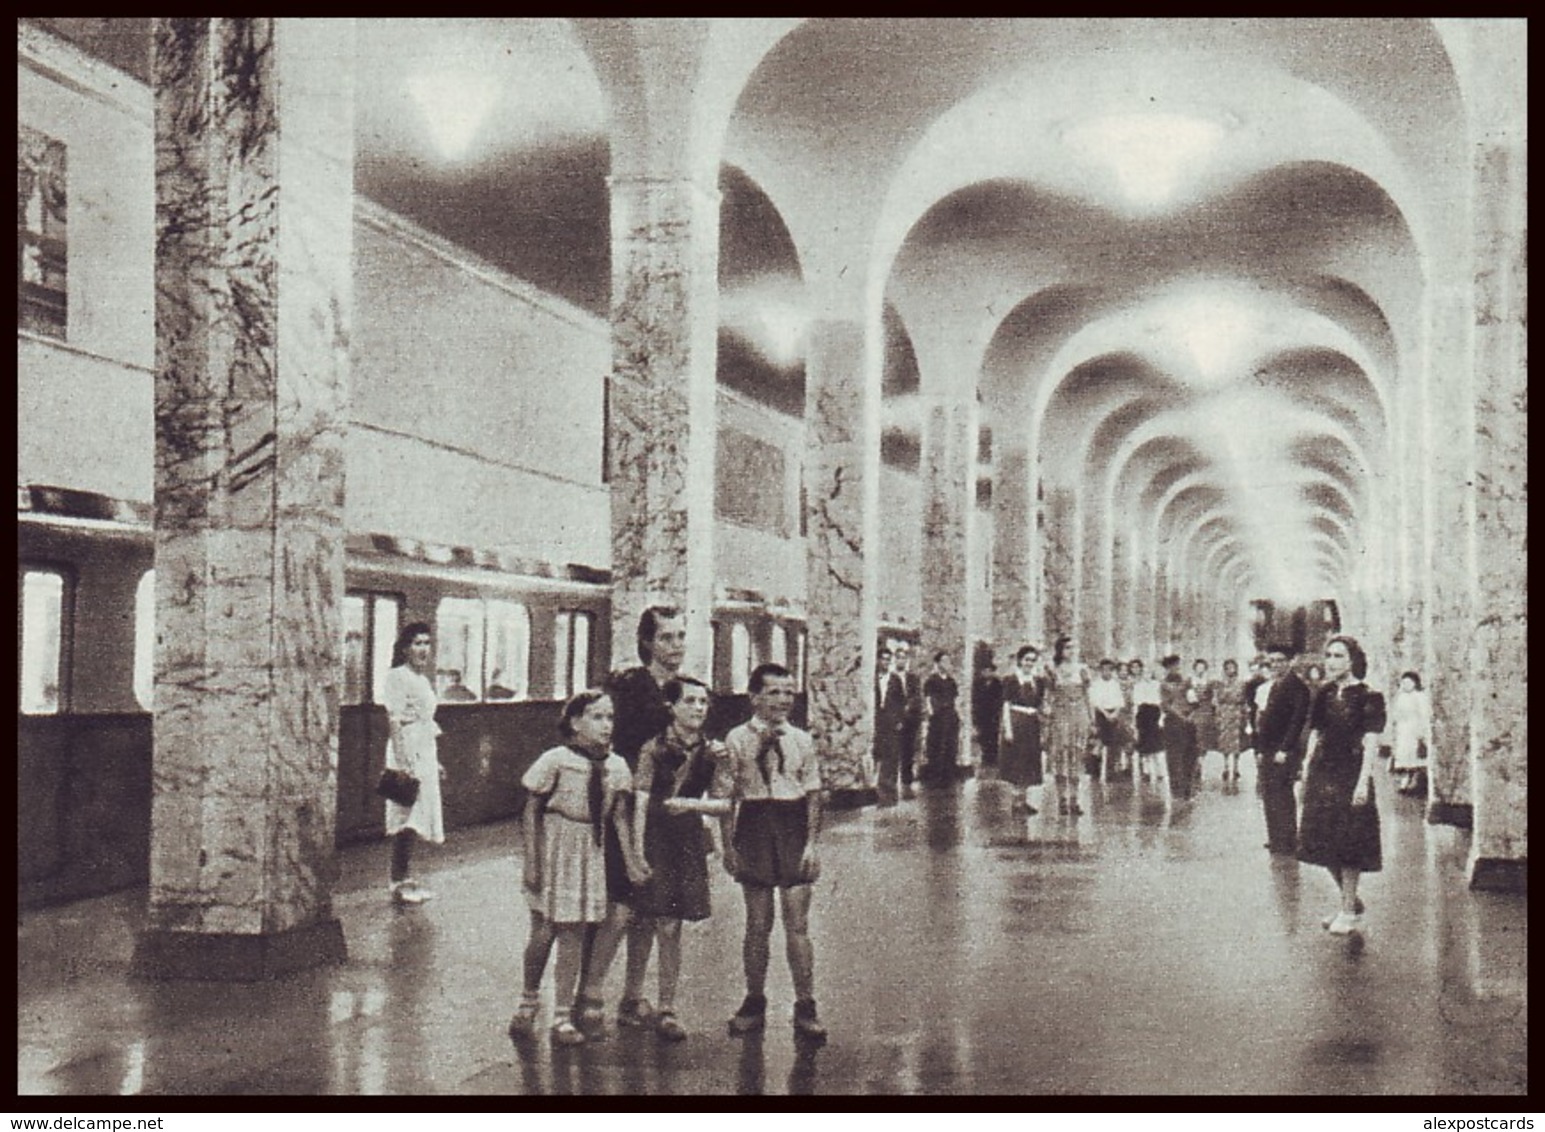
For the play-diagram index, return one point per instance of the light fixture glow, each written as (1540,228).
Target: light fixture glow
(455,104)
(1149,153)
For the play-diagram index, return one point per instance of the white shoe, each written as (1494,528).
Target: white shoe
(1344,924)
(406,892)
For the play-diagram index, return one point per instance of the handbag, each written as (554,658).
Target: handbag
(398,786)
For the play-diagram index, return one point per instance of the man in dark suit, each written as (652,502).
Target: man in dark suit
(911,713)
(890,703)
(1279,735)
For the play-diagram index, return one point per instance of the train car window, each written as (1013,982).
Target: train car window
(778,645)
(573,633)
(579,651)
(42,642)
(356,648)
(561,676)
(459,649)
(740,658)
(509,651)
(385,616)
(145,641)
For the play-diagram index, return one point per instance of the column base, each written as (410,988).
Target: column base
(1500,874)
(1461,814)
(852,798)
(234,957)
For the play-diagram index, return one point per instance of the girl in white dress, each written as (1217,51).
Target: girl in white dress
(410,711)
(574,792)
(1411,718)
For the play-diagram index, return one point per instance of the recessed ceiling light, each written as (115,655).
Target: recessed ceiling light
(455,104)
(1150,154)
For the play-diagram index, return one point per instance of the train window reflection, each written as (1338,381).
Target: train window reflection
(509,651)
(356,648)
(145,641)
(459,649)
(386,615)
(778,645)
(740,658)
(573,631)
(42,641)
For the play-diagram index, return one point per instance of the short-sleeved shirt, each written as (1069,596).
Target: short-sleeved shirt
(1106,695)
(562,775)
(794,776)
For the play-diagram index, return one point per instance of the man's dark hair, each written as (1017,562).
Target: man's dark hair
(761,672)
(676,685)
(649,625)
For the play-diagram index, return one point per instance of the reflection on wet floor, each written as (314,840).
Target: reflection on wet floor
(1146,947)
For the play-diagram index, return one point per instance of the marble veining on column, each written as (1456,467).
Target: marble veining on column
(1121,598)
(1451,590)
(252,302)
(841,472)
(1500,660)
(949,487)
(1014,618)
(661,438)
(1059,571)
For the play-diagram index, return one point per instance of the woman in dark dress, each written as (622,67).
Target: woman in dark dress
(675,771)
(987,710)
(1019,753)
(1339,828)
(1179,734)
(941,693)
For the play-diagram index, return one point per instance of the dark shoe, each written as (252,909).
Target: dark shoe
(589,1013)
(1062,807)
(1076,810)
(666,1025)
(751,1017)
(806,1024)
(523,1025)
(634,1013)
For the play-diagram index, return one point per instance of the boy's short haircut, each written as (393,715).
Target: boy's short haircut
(761,672)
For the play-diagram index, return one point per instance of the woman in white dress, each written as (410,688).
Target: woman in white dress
(410,699)
(1411,719)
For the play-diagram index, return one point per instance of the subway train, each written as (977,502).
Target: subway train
(509,648)
(477,496)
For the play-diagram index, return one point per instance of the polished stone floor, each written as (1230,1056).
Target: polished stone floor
(1144,948)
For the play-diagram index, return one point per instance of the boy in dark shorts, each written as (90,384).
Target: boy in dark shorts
(774,784)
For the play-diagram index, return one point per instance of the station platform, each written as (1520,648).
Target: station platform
(1144,948)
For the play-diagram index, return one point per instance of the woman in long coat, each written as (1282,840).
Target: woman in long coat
(941,696)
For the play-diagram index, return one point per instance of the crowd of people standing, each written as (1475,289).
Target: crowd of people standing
(626,812)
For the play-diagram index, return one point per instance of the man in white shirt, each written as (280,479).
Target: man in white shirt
(1108,701)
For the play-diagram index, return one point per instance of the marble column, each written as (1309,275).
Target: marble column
(1059,571)
(949,511)
(665,255)
(254,218)
(1093,610)
(1499,662)
(1016,617)
(842,466)
(1121,598)
(1145,610)
(1450,551)
(1163,612)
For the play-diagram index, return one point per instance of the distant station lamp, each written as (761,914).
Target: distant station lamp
(455,103)
(1149,153)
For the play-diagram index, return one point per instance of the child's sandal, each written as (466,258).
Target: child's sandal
(666,1025)
(524,1022)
